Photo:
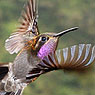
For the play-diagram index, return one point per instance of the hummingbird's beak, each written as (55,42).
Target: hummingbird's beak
(65,31)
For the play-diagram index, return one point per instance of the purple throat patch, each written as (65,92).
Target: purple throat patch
(47,48)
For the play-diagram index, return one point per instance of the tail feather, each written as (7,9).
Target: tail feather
(8,93)
(5,93)
(6,81)
(19,92)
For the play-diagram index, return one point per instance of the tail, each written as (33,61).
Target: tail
(4,71)
(19,92)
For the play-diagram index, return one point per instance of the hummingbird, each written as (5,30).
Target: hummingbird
(38,54)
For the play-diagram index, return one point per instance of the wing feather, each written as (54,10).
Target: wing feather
(27,29)
(73,58)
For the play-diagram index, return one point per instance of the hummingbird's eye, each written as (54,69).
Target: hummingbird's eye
(44,39)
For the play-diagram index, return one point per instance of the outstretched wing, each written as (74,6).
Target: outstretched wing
(74,58)
(28,28)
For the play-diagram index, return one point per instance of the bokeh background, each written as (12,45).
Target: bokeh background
(55,16)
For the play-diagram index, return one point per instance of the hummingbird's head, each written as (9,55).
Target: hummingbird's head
(46,43)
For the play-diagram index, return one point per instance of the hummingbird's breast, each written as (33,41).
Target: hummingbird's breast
(23,64)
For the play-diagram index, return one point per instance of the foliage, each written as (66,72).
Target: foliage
(55,16)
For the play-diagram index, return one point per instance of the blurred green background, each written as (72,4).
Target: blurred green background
(54,16)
